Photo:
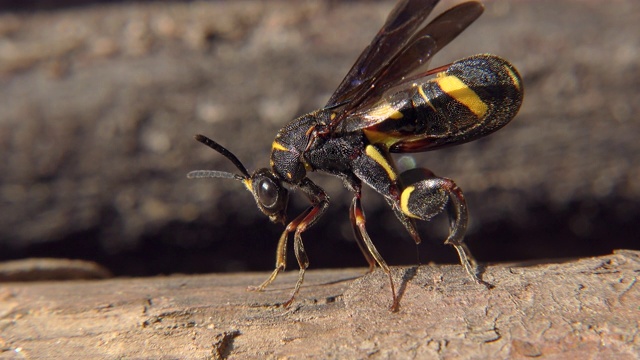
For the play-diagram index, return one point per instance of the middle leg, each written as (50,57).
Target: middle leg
(364,241)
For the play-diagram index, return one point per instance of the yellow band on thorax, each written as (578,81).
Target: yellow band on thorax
(277,146)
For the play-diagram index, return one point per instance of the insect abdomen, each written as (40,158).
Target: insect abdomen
(474,97)
(488,86)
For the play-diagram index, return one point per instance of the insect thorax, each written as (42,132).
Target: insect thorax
(292,156)
(290,143)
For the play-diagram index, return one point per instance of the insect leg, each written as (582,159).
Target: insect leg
(320,202)
(429,195)
(359,238)
(355,185)
(375,168)
(358,221)
(281,252)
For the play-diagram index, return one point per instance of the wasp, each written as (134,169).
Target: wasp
(389,102)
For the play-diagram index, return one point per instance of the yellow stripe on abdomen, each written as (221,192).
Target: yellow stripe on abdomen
(515,78)
(384,111)
(462,93)
(426,98)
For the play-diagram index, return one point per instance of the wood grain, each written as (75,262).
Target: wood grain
(579,308)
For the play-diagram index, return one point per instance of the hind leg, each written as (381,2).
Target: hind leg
(425,196)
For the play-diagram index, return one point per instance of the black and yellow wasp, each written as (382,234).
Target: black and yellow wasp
(389,102)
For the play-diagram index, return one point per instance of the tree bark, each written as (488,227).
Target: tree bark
(568,309)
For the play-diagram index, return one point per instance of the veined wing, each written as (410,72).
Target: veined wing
(405,64)
(401,23)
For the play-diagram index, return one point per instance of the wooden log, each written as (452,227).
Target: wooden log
(560,309)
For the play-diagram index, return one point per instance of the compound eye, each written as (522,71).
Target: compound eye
(267,192)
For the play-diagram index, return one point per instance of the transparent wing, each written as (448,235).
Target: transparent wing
(401,23)
(405,64)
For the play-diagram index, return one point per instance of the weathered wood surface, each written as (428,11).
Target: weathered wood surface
(587,308)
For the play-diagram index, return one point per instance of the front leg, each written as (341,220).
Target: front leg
(429,195)
(319,204)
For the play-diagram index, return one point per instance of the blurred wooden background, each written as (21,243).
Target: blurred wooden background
(99,102)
